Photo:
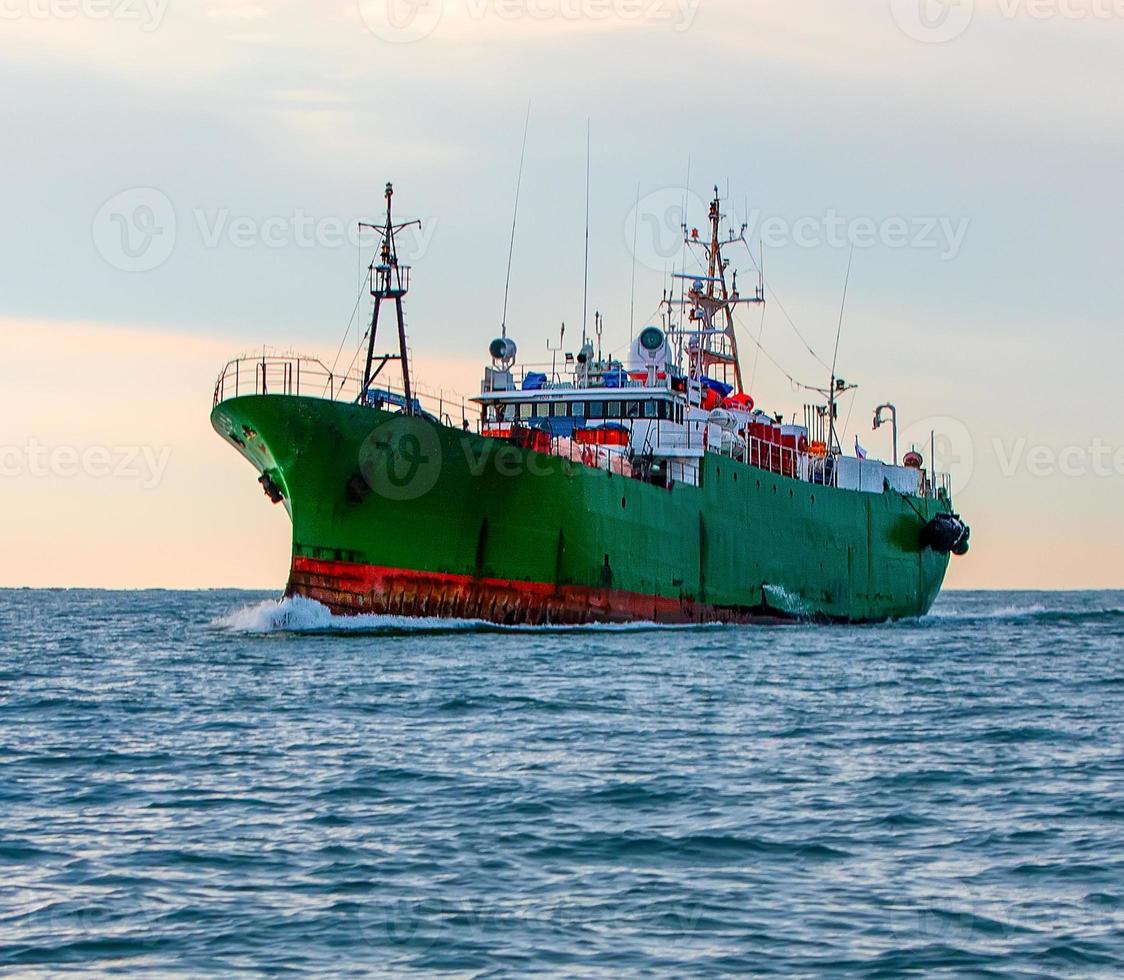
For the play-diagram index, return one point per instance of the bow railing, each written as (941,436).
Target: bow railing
(308,377)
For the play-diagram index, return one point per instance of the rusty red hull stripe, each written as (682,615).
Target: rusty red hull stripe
(351,589)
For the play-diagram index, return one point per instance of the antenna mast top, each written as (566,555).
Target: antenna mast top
(389,280)
(711,302)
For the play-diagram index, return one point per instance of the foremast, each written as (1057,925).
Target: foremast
(388,281)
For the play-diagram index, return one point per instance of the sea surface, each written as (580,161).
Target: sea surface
(213,783)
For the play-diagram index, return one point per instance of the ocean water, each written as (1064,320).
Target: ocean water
(214,783)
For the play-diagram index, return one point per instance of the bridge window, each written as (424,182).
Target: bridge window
(652,410)
(632,410)
(612,410)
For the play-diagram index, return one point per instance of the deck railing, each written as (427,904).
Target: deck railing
(632,460)
(280,374)
(309,377)
(563,377)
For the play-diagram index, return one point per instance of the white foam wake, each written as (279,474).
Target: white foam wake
(303,615)
(1003,612)
(300,614)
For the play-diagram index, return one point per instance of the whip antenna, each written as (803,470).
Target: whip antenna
(585,293)
(835,356)
(635,230)
(514,220)
(842,307)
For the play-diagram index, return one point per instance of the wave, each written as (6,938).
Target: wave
(299,614)
(1003,612)
(1034,612)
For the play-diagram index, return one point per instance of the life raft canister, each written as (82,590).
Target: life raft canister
(709,399)
(742,402)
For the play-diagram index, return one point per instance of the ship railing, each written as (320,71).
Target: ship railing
(564,378)
(939,487)
(645,436)
(308,377)
(664,440)
(627,460)
(822,471)
(620,459)
(284,374)
(776,458)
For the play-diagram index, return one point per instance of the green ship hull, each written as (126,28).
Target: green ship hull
(402,515)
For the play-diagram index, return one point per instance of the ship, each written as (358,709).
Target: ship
(645,487)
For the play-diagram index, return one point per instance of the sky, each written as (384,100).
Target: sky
(181,181)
